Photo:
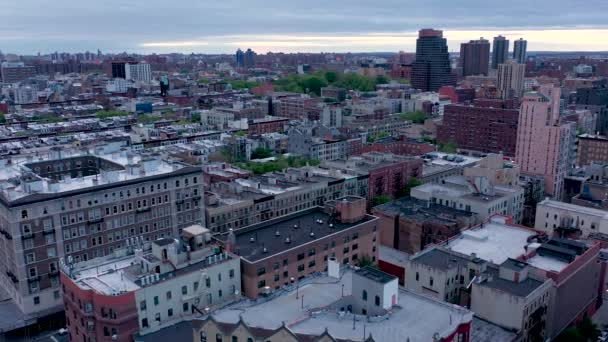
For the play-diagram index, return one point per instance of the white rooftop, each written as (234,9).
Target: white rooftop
(107,276)
(494,241)
(416,317)
(547,264)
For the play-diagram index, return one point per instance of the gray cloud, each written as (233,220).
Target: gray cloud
(28,26)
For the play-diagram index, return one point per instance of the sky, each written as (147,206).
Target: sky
(210,26)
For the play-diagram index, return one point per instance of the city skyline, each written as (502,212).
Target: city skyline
(155,26)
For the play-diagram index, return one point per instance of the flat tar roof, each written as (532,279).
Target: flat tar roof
(266,239)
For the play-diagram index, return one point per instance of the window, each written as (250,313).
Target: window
(300,268)
(208,282)
(218,338)
(261,283)
(261,271)
(219,293)
(300,256)
(184,290)
(364,295)
(311,263)
(185,307)
(157,317)
(431,281)
(168,295)
(195,286)
(170,312)
(377,300)
(231,272)
(142,305)
(203,336)
(417,276)
(235,339)
(355,246)
(36,300)
(144,323)
(155,300)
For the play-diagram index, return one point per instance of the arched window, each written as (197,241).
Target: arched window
(203,336)
(24,213)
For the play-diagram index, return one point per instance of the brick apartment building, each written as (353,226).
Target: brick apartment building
(147,286)
(269,124)
(486,126)
(284,250)
(592,148)
(409,225)
(84,207)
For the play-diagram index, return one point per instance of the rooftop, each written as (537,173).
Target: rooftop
(520,289)
(276,236)
(574,208)
(494,241)
(58,172)
(375,275)
(415,317)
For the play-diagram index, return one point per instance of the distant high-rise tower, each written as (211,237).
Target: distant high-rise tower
(544,142)
(475,57)
(510,81)
(119,70)
(500,51)
(520,47)
(240,58)
(249,58)
(432,68)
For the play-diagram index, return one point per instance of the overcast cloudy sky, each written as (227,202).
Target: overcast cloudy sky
(206,26)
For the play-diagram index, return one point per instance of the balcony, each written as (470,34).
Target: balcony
(142,210)
(179,201)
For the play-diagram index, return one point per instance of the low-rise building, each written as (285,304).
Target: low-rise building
(354,305)
(244,202)
(387,174)
(513,276)
(566,219)
(409,225)
(286,249)
(476,195)
(147,286)
(592,149)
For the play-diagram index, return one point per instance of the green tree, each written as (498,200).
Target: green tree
(331,76)
(412,183)
(416,117)
(2,118)
(110,113)
(449,147)
(261,153)
(381,79)
(240,84)
(381,199)
(365,260)
(313,84)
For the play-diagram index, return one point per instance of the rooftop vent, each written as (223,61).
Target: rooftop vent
(277,233)
(265,250)
(312,234)
(287,240)
(252,239)
(295,226)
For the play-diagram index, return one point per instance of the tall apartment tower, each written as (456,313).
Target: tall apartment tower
(432,69)
(250,58)
(500,51)
(520,48)
(240,58)
(544,142)
(140,72)
(475,57)
(511,79)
